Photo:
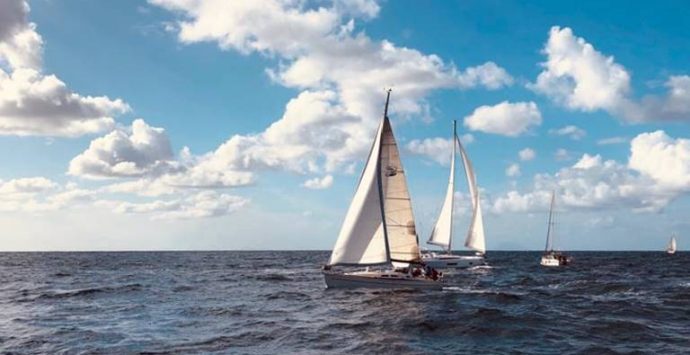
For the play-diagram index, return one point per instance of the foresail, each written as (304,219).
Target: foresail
(443,230)
(362,239)
(475,235)
(399,219)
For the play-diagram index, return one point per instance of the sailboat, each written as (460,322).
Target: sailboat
(379,228)
(671,248)
(442,234)
(552,257)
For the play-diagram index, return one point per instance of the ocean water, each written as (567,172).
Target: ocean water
(276,302)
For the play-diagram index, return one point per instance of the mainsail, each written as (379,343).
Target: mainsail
(379,226)
(475,234)
(443,230)
(399,219)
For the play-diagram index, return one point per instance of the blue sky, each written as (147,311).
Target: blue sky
(145,125)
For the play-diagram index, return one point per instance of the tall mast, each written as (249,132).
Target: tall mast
(548,230)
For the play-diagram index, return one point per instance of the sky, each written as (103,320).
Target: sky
(205,125)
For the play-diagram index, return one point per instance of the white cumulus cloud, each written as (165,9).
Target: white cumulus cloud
(505,118)
(527,154)
(570,131)
(577,76)
(32,103)
(319,183)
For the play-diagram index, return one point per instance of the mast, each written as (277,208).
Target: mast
(549,246)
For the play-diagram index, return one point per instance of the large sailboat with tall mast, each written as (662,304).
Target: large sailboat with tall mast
(552,257)
(442,234)
(379,228)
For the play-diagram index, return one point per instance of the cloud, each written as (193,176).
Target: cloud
(573,132)
(142,151)
(319,183)
(436,149)
(35,104)
(579,77)
(137,151)
(39,194)
(657,172)
(527,154)
(20,44)
(612,140)
(662,158)
(513,170)
(200,205)
(340,75)
(562,154)
(26,186)
(505,118)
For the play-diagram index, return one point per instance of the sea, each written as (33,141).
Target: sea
(275,302)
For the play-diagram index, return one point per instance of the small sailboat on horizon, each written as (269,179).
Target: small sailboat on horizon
(552,257)
(379,227)
(442,234)
(671,248)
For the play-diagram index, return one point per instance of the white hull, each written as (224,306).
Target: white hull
(670,252)
(552,260)
(451,261)
(379,279)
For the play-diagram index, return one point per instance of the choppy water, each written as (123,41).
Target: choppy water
(275,302)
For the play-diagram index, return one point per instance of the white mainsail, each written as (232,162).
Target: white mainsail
(399,219)
(443,230)
(475,234)
(379,226)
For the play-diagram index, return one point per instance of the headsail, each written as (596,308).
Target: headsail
(442,234)
(399,219)
(475,234)
(362,239)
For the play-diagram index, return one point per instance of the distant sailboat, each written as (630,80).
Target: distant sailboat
(442,235)
(671,248)
(552,257)
(379,227)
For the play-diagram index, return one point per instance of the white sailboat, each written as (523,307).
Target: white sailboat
(442,235)
(671,248)
(379,227)
(552,257)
